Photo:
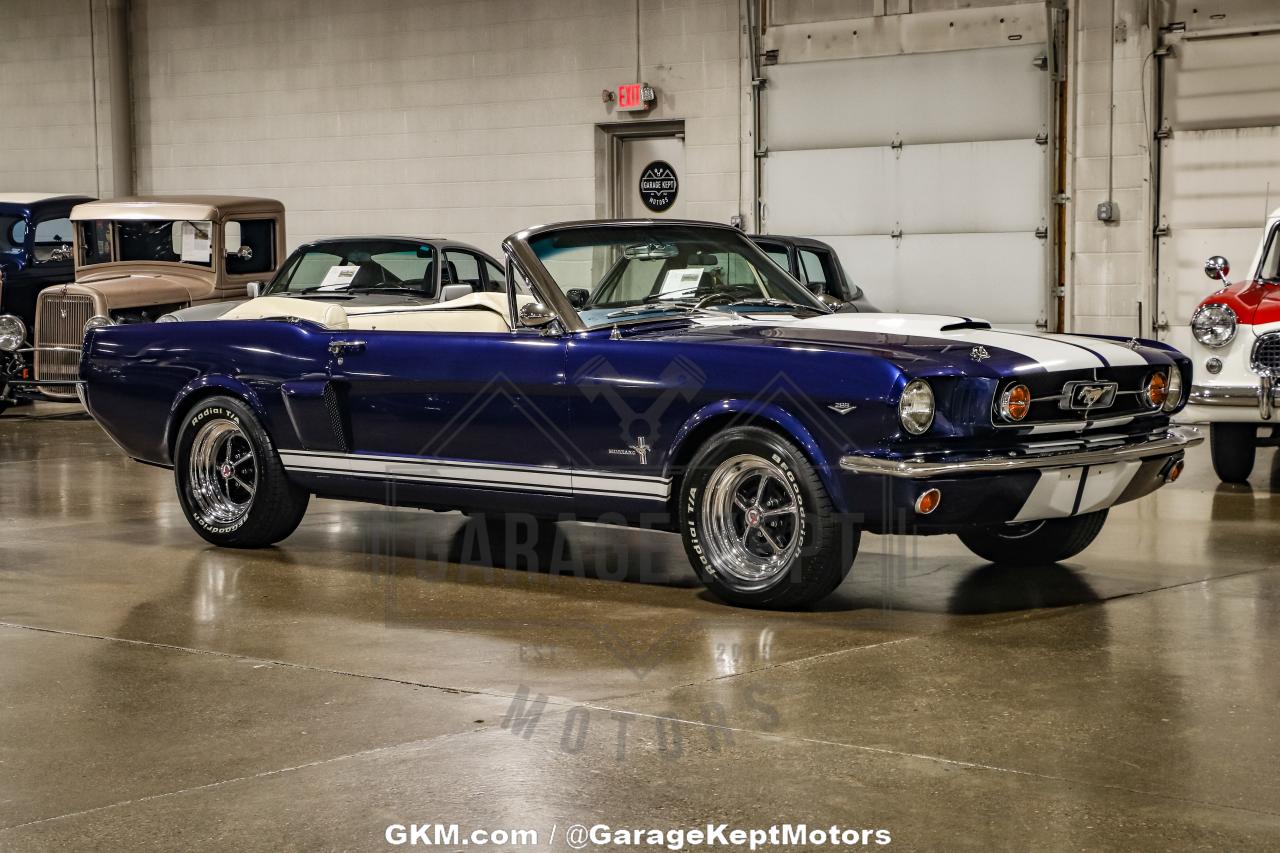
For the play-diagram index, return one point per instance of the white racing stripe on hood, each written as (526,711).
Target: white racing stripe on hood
(1050,352)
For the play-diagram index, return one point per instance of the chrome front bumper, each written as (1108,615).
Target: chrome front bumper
(1261,396)
(1167,442)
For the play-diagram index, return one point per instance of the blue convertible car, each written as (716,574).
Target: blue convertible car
(659,373)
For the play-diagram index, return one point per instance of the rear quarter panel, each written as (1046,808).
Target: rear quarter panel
(137,377)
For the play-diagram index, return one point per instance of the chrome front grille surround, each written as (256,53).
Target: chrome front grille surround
(60,323)
(1266,354)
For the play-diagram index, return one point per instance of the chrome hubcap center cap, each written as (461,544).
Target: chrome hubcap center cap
(753,516)
(225,471)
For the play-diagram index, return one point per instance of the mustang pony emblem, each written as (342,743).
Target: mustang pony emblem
(1089,396)
(979,354)
(641,447)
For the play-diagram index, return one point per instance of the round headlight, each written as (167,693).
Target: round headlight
(13,332)
(915,407)
(1173,396)
(1156,391)
(96,322)
(1015,402)
(1214,325)
(167,318)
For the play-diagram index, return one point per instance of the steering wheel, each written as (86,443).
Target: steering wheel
(713,298)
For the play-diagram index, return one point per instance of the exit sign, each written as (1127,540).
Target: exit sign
(634,97)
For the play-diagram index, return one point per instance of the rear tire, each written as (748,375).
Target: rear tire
(759,526)
(231,484)
(1035,543)
(1233,448)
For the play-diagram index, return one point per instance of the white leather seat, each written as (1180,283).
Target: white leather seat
(477,312)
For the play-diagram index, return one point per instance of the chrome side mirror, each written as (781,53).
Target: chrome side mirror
(254,289)
(535,315)
(1217,268)
(244,253)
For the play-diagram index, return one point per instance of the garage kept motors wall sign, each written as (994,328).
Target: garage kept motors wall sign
(659,186)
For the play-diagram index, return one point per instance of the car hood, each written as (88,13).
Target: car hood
(921,343)
(140,290)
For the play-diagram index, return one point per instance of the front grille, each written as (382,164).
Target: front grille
(60,323)
(1048,389)
(1266,354)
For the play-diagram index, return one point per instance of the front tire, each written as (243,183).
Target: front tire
(1233,448)
(759,526)
(231,484)
(1035,543)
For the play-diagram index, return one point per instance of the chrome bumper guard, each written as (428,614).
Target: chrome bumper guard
(1261,396)
(1168,441)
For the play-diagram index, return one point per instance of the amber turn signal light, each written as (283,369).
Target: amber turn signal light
(1156,390)
(1175,471)
(928,501)
(1015,402)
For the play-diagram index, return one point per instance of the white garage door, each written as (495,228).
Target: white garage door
(923,171)
(1219,168)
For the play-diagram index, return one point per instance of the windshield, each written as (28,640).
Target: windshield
(168,240)
(356,265)
(1270,270)
(614,272)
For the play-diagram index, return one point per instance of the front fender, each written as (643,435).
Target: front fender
(735,412)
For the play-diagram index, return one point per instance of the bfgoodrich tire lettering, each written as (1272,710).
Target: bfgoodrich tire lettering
(759,526)
(231,485)
(1035,543)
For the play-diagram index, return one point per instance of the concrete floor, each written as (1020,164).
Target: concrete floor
(160,694)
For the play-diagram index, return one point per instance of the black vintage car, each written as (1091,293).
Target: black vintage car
(35,252)
(818,266)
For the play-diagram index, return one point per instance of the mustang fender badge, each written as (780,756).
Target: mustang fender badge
(979,354)
(842,408)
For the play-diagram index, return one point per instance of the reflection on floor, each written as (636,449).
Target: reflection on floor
(378,668)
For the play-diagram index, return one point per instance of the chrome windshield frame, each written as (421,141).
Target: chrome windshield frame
(517,246)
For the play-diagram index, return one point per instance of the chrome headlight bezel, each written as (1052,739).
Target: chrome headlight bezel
(97,321)
(1214,325)
(1173,391)
(13,333)
(916,407)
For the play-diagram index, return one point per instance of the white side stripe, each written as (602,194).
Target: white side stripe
(478,474)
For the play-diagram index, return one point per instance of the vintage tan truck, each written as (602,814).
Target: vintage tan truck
(138,258)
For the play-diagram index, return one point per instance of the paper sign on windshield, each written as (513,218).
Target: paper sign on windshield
(338,277)
(197,246)
(677,281)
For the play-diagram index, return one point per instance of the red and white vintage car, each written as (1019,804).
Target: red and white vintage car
(1236,358)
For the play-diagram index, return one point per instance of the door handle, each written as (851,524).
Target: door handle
(341,348)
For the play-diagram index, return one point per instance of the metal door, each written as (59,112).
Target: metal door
(1219,164)
(928,173)
(644,158)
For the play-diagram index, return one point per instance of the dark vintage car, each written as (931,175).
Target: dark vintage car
(35,252)
(709,394)
(372,272)
(817,265)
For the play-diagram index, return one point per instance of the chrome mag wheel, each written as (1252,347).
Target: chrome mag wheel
(751,515)
(223,472)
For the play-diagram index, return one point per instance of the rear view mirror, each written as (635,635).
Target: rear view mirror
(1217,268)
(535,315)
(454,291)
(578,297)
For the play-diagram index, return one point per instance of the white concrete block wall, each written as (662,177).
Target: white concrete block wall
(46,100)
(1110,263)
(467,119)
